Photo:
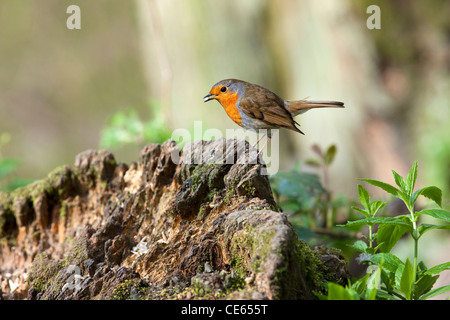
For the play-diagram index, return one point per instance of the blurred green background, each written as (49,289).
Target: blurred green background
(147,64)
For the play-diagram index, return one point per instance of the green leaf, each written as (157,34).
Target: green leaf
(124,127)
(364,197)
(338,292)
(297,191)
(378,220)
(361,284)
(354,225)
(424,284)
(411,178)
(432,193)
(364,212)
(155,129)
(376,206)
(290,206)
(435,292)
(377,248)
(7,166)
(330,154)
(401,183)
(439,268)
(297,185)
(313,163)
(381,295)
(304,233)
(388,280)
(385,186)
(436,213)
(388,235)
(427,227)
(360,246)
(406,278)
(405,218)
(390,262)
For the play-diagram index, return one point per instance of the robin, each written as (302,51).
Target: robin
(254,107)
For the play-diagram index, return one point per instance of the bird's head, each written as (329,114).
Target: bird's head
(225,90)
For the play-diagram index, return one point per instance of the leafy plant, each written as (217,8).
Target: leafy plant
(323,161)
(298,193)
(307,198)
(126,127)
(397,279)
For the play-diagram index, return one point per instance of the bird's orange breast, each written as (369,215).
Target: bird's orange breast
(229,102)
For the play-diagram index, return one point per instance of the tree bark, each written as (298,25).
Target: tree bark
(206,227)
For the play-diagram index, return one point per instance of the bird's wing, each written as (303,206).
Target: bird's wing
(264,105)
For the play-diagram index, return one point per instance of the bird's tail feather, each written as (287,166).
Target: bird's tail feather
(301,106)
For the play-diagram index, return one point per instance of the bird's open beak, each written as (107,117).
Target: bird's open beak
(208,97)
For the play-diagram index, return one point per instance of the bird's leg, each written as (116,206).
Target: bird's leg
(258,141)
(256,145)
(265,144)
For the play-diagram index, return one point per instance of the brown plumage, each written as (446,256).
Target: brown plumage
(254,107)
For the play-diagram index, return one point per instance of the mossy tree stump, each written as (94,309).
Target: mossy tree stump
(157,229)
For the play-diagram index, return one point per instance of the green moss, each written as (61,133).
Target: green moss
(122,290)
(77,254)
(110,161)
(249,244)
(198,288)
(63,210)
(54,185)
(228,196)
(6,213)
(264,248)
(234,283)
(249,188)
(313,270)
(217,285)
(4,198)
(257,246)
(199,175)
(211,194)
(43,272)
(130,290)
(210,174)
(244,245)
(238,264)
(202,212)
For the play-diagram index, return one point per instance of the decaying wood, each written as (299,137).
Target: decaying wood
(156,229)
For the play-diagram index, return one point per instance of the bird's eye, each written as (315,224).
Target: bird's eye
(223,89)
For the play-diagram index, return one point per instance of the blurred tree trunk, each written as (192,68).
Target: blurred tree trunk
(321,50)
